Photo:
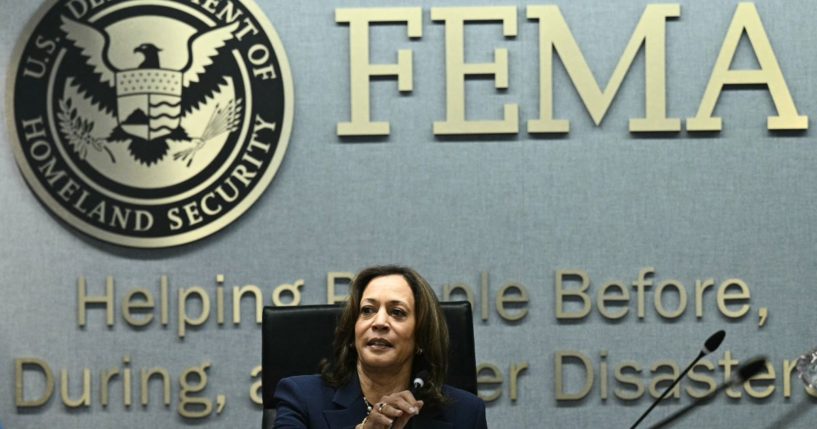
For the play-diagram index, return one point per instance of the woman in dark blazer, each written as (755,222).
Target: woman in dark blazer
(391,328)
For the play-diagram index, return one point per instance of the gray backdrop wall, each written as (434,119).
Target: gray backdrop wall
(738,204)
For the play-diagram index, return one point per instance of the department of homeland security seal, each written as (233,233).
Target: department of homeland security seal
(150,123)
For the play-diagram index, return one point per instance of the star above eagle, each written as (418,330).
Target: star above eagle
(96,78)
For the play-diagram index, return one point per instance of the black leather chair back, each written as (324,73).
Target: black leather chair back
(295,340)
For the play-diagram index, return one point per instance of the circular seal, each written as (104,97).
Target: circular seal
(150,123)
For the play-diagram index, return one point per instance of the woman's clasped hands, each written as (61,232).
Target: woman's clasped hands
(393,411)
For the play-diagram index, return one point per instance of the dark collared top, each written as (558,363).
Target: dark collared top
(307,402)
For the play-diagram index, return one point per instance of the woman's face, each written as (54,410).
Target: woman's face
(384,331)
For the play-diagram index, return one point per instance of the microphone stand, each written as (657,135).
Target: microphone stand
(668,389)
(711,344)
(745,372)
(683,411)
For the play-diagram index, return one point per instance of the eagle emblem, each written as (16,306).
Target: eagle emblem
(150,100)
(150,123)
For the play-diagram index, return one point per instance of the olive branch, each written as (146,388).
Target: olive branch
(78,131)
(222,120)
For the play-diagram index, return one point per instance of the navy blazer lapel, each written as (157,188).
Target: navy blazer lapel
(350,409)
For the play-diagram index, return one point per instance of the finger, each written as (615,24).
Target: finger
(402,422)
(379,420)
(406,395)
(400,403)
(389,410)
(405,400)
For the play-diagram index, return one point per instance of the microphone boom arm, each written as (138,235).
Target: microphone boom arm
(668,389)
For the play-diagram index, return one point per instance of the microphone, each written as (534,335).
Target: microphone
(743,373)
(807,368)
(419,381)
(710,345)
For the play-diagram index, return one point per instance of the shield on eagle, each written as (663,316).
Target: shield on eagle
(149,101)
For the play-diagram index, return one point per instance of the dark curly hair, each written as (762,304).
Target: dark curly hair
(430,335)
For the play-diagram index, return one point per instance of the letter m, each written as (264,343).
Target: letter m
(555,36)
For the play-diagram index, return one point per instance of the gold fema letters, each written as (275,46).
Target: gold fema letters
(555,37)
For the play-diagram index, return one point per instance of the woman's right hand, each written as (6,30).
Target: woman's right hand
(393,411)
